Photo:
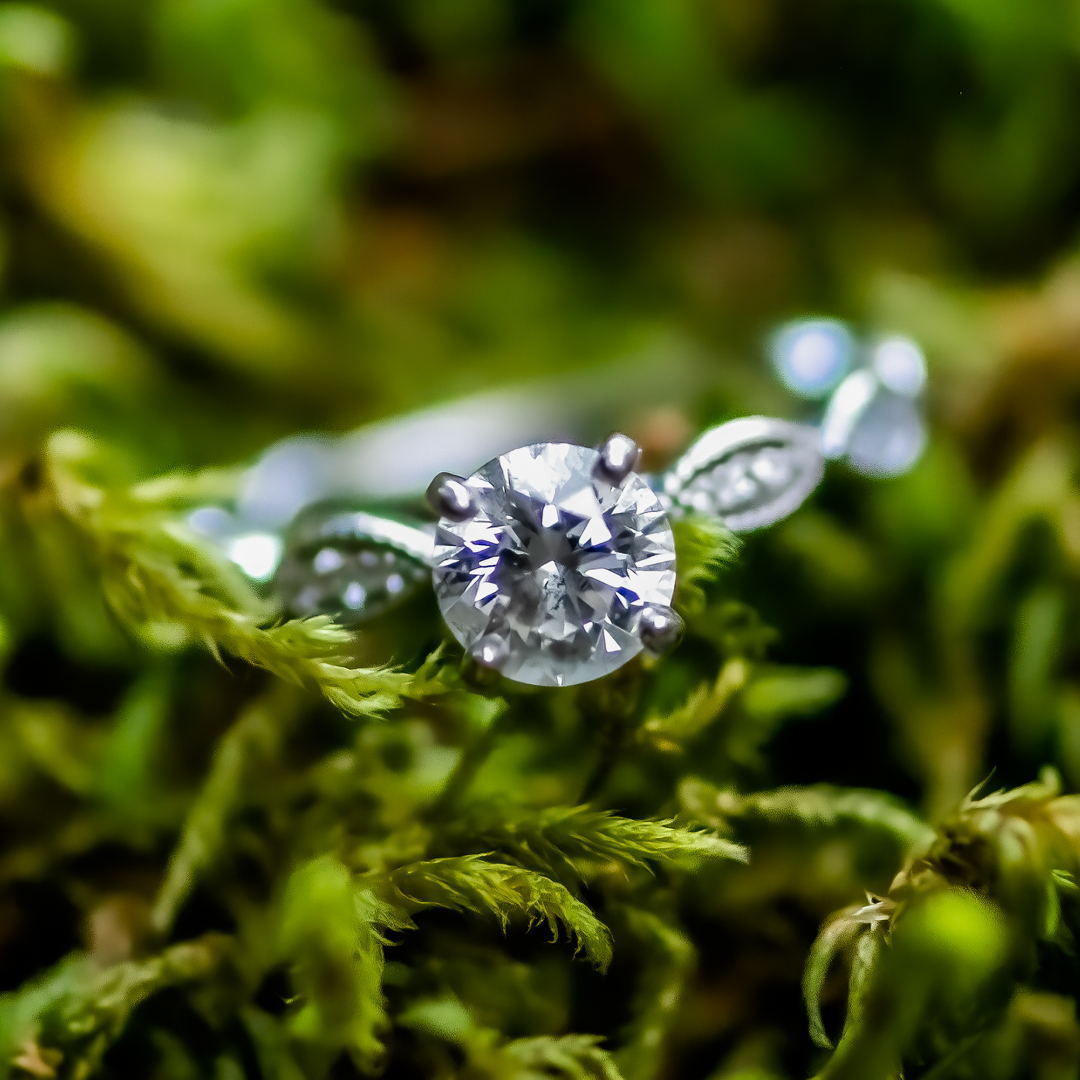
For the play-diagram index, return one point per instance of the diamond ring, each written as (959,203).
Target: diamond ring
(554,564)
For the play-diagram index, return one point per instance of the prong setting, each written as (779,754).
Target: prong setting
(659,628)
(524,569)
(619,456)
(449,496)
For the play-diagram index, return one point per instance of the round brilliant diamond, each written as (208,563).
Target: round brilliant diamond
(557,563)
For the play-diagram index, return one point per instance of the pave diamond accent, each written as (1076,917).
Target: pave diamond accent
(557,563)
(350,564)
(748,472)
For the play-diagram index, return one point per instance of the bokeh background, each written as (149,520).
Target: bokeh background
(224,222)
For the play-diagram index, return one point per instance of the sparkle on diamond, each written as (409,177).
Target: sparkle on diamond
(557,563)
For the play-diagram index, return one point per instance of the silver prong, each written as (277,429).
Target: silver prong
(449,497)
(618,458)
(659,628)
(491,651)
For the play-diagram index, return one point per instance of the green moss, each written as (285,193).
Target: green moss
(235,844)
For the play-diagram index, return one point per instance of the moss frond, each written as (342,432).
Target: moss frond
(154,570)
(472,883)
(331,933)
(572,842)
(703,547)
(818,806)
(75,1011)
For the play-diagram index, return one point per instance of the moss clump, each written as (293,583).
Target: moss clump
(234,844)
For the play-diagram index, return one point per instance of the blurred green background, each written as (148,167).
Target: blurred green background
(223,222)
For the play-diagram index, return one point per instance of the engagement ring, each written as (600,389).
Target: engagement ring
(555,563)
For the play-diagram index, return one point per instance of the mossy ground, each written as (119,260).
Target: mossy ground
(237,846)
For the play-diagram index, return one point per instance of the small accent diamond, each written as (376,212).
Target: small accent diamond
(348,564)
(557,563)
(748,472)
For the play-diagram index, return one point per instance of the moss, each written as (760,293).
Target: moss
(290,850)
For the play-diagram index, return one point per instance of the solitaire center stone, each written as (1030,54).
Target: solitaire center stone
(556,564)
